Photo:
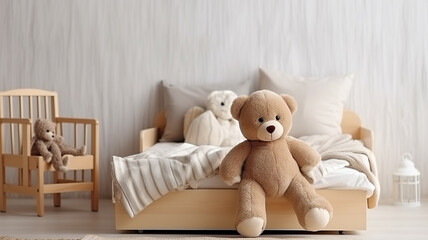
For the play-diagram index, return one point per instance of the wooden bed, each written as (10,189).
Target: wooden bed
(215,209)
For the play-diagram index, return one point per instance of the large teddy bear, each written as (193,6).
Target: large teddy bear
(270,164)
(52,147)
(215,125)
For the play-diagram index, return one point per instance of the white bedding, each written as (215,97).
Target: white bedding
(339,176)
(142,178)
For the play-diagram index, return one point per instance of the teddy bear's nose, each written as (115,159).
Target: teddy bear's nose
(270,129)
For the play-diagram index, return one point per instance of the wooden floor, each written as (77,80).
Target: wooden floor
(75,220)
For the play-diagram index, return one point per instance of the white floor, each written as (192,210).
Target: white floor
(74,220)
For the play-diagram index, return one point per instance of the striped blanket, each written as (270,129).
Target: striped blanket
(140,179)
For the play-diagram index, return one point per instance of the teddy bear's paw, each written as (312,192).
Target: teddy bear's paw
(316,219)
(82,150)
(251,227)
(314,174)
(234,180)
(48,158)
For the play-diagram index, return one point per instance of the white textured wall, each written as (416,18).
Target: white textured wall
(106,58)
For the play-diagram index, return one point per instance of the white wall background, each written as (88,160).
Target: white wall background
(106,58)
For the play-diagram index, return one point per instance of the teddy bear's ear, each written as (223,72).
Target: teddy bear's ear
(38,122)
(291,102)
(236,107)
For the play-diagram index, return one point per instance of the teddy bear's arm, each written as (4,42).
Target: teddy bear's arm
(43,150)
(307,158)
(231,166)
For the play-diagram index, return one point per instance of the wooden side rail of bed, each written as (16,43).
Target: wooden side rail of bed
(215,209)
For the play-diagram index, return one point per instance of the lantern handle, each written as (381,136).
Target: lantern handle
(407,156)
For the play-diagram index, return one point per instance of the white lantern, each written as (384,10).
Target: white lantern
(407,183)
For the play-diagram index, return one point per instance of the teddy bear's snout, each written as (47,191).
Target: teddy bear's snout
(270,129)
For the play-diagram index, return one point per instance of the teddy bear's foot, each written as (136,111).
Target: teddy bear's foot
(82,150)
(251,227)
(62,168)
(316,219)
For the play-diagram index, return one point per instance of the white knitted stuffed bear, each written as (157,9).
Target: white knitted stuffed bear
(215,125)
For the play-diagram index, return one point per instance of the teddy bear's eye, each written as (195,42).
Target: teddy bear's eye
(261,119)
(277,117)
(222,103)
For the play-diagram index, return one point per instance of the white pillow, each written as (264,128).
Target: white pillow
(320,101)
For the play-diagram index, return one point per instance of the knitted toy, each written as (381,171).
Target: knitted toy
(51,147)
(215,125)
(271,164)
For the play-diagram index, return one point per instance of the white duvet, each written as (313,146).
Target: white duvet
(140,179)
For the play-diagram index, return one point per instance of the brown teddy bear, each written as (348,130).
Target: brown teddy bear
(270,164)
(52,148)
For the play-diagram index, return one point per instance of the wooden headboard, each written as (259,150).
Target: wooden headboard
(351,124)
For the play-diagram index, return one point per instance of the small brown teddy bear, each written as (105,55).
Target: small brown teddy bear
(52,148)
(270,164)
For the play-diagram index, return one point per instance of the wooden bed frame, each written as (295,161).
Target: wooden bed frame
(215,209)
